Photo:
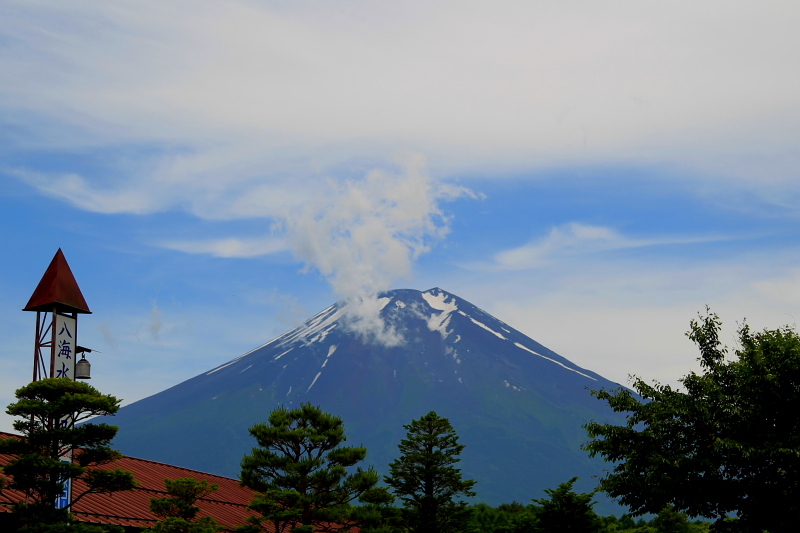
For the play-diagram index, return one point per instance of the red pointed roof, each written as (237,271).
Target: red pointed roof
(58,289)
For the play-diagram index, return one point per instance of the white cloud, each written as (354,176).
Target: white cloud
(363,235)
(231,247)
(240,97)
(576,239)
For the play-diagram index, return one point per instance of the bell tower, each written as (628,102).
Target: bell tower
(58,301)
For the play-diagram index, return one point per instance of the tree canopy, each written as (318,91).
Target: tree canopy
(178,512)
(49,409)
(300,471)
(727,444)
(425,478)
(566,511)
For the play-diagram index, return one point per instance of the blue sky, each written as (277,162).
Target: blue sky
(594,174)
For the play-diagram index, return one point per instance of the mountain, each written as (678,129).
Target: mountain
(516,405)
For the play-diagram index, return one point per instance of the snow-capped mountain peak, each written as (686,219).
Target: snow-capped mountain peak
(516,404)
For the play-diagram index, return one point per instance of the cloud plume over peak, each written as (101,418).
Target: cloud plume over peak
(362,235)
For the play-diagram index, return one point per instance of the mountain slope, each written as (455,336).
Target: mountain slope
(517,405)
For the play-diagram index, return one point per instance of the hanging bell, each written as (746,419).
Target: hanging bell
(83,369)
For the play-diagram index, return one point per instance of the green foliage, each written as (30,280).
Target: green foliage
(178,512)
(565,511)
(37,470)
(425,479)
(377,514)
(669,520)
(502,519)
(301,472)
(729,444)
(562,511)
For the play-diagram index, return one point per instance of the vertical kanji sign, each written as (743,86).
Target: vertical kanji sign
(64,367)
(63,500)
(64,350)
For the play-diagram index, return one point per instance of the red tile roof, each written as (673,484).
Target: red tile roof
(227,505)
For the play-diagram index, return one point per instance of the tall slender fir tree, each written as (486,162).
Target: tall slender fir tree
(425,478)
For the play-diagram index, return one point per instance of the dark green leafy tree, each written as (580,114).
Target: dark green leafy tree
(566,511)
(377,514)
(37,470)
(729,443)
(301,472)
(505,518)
(425,478)
(669,520)
(178,512)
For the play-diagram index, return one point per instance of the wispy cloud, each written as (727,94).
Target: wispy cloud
(108,336)
(210,187)
(155,323)
(578,239)
(77,191)
(231,247)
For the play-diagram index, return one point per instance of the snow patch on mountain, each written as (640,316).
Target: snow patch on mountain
(484,326)
(226,364)
(449,350)
(440,321)
(314,381)
(518,345)
(315,329)
(282,354)
(439,301)
(331,349)
(321,336)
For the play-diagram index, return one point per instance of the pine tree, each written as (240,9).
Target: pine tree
(49,409)
(301,472)
(425,479)
(178,512)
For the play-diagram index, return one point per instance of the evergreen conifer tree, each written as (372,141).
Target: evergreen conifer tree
(178,512)
(49,409)
(425,478)
(300,471)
